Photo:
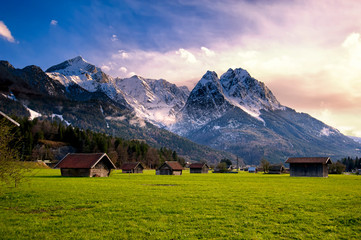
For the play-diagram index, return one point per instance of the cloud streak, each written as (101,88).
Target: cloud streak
(5,32)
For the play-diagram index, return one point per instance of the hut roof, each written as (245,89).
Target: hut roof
(82,160)
(323,160)
(174,165)
(198,165)
(131,165)
(276,167)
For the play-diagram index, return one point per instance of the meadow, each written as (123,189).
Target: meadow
(191,206)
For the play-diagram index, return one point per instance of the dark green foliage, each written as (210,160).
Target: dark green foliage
(41,138)
(222,167)
(227,161)
(12,171)
(351,164)
(336,168)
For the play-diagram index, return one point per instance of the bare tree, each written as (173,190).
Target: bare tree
(12,170)
(265,165)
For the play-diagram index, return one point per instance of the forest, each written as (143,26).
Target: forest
(52,140)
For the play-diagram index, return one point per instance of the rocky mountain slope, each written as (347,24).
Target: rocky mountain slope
(239,114)
(33,93)
(155,101)
(234,113)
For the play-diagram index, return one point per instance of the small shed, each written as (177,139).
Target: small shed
(85,165)
(309,166)
(132,167)
(170,168)
(198,168)
(276,169)
(252,170)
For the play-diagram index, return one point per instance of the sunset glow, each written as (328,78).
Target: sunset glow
(307,52)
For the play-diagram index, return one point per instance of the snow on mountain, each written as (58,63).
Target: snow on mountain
(356,139)
(91,78)
(156,101)
(245,92)
(212,97)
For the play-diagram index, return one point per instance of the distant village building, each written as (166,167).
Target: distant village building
(85,165)
(276,169)
(252,170)
(132,167)
(309,166)
(170,168)
(198,168)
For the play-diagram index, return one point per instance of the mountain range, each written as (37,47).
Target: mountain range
(234,113)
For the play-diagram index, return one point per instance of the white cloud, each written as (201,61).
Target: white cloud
(121,54)
(208,52)
(114,38)
(188,56)
(105,68)
(53,22)
(5,32)
(123,69)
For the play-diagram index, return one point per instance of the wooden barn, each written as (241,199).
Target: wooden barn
(132,167)
(276,169)
(198,168)
(170,168)
(309,166)
(85,165)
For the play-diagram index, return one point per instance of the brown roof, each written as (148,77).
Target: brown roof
(323,160)
(130,165)
(197,165)
(276,167)
(82,160)
(174,165)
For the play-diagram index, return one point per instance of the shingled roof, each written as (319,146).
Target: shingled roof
(197,165)
(130,165)
(82,160)
(174,165)
(323,160)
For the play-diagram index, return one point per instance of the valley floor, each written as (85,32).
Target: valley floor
(191,206)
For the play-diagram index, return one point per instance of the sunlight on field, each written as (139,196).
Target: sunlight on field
(191,206)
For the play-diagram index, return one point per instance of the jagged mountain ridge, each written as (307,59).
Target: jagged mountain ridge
(23,91)
(235,113)
(239,114)
(156,101)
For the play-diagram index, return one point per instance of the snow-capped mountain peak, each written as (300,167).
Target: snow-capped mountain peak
(243,90)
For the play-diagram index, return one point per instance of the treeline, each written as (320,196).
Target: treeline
(42,139)
(351,163)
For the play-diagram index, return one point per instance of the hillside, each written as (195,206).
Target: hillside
(31,91)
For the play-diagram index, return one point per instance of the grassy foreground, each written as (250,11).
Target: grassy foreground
(191,206)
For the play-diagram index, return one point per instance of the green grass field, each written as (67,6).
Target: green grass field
(191,206)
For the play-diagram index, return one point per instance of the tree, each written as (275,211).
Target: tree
(336,168)
(265,165)
(227,161)
(11,169)
(222,167)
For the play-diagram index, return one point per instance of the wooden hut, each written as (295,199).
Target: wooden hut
(198,168)
(132,167)
(85,165)
(252,170)
(309,166)
(170,168)
(276,169)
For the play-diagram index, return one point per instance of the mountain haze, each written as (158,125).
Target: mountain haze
(235,112)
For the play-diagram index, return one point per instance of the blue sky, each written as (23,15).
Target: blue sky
(307,52)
